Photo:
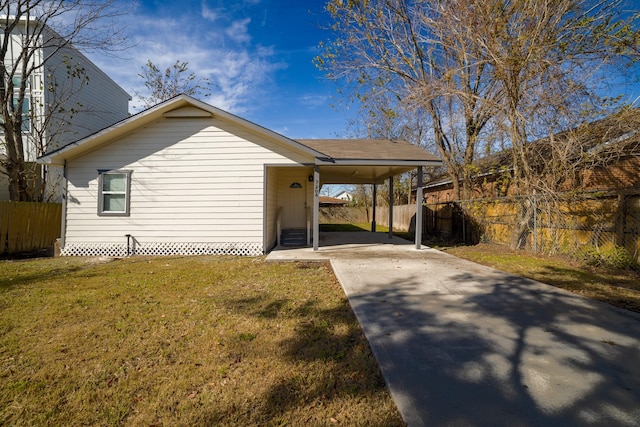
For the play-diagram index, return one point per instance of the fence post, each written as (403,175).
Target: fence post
(464,224)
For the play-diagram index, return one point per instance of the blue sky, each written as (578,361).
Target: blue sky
(256,53)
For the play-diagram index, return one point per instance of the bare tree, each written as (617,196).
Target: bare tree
(32,33)
(381,118)
(425,54)
(487,70)
(173,81)
(549,59)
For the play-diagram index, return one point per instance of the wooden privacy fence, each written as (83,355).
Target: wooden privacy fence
(404,217)
(26,226)
(344,215)
(583,226)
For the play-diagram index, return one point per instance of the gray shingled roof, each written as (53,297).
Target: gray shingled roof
(368,149)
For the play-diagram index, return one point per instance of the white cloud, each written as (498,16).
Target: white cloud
(239,72)
(239,31)
(208,13)
(314,100)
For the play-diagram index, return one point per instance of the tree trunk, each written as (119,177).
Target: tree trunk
(523,225)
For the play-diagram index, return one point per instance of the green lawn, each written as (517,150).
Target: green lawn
(182,341)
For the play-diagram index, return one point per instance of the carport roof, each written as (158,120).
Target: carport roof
(366,161)
(369,149)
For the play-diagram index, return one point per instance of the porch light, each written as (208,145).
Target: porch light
(295,185)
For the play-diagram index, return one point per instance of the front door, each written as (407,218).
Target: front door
(293,185)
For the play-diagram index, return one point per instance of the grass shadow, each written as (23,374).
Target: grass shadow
(11,277)
(329,337)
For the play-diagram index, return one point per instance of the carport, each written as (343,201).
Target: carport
(366,161)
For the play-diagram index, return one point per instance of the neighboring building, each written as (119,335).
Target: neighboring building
(184,177)
(344,195)
(610,160)
(326,202)
(53,91)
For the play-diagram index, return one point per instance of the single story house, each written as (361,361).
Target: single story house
(184,177)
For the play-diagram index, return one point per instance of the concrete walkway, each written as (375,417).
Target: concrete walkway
(461,344)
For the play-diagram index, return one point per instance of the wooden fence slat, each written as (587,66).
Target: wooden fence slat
(40,230)
(26,227)
(14,229)
(4,225)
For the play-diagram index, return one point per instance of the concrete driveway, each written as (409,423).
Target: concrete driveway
(461,344)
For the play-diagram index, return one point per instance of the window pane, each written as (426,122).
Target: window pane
(16,80)
(26,120)
(114,182)
(114,203)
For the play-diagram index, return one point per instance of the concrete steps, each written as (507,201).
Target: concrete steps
(294,237)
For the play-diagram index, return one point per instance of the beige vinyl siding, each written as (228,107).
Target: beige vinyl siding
(193,180)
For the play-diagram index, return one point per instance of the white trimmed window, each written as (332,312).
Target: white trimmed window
(114,188)
(26,113)
(26,104)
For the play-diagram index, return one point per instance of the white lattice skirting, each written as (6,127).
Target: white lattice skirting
(161,249)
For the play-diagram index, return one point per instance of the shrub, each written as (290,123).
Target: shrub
(610,257)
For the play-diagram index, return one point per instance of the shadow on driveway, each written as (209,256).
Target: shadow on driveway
(463,344)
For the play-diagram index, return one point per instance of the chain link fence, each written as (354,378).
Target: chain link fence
(598,227)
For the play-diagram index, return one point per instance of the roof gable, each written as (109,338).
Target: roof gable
(181,106)
(187,112)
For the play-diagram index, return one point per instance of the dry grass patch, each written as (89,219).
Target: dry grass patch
(620,288)
(183,342)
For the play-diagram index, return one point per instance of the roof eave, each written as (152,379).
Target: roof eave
(324,161)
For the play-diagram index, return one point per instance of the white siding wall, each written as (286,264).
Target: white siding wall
(194,180)
(99,101)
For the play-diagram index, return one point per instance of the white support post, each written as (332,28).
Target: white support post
(390,207)
(419,209)
(316,207)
